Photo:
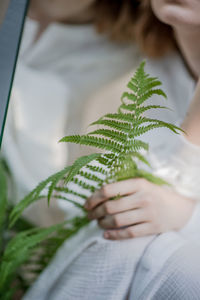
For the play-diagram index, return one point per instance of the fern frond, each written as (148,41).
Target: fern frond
(34,196)
(149,94)
(155,122)
(137,145)
(148,86)
(122,117)
(140,157)
(91,188)
(79,164)
(142,109)
(112,134)
(97,169)
(70,191)
(128,107)
(122,170)
(148,80)
(129,96)
(18,251)
(132,87)
(92,177)
(122,126)
(54,181)
(107,159)
(88,140)
(75,203)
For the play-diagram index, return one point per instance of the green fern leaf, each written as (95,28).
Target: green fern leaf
(149,94)
(112,134)
(90,176)
(69,191)
(18,250)
(122,126)
(128,107)
(88,140)
(137,145)
(143,109)
(170,126)
(122,117)
(132,86)
(129,96)
(91,188)
(147,87)
(33,196)
(141,158)
(79,164)
(97,169)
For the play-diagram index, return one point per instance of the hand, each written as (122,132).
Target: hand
(142,209)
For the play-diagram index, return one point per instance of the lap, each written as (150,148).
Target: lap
(90,267)
(175,277)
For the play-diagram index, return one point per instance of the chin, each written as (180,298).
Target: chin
(177,12)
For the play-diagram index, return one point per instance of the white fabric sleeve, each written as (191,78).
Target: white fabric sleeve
(190,155)
(182,169)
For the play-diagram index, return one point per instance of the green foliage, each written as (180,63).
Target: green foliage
(26,250)
(118,136)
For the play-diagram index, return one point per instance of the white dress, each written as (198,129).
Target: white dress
(89,267)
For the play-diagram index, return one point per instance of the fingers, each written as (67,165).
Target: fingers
(115,206)
(122,188)
(139,230)
(123,219)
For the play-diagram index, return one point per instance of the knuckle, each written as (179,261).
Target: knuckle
(104,191)
(143,183)
(107,208)
(131,232)
(145,200)
(117,221)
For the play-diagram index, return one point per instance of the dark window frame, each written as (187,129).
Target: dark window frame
(11,29)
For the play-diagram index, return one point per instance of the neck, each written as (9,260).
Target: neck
(60,11)
(83,17)
(188,43)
